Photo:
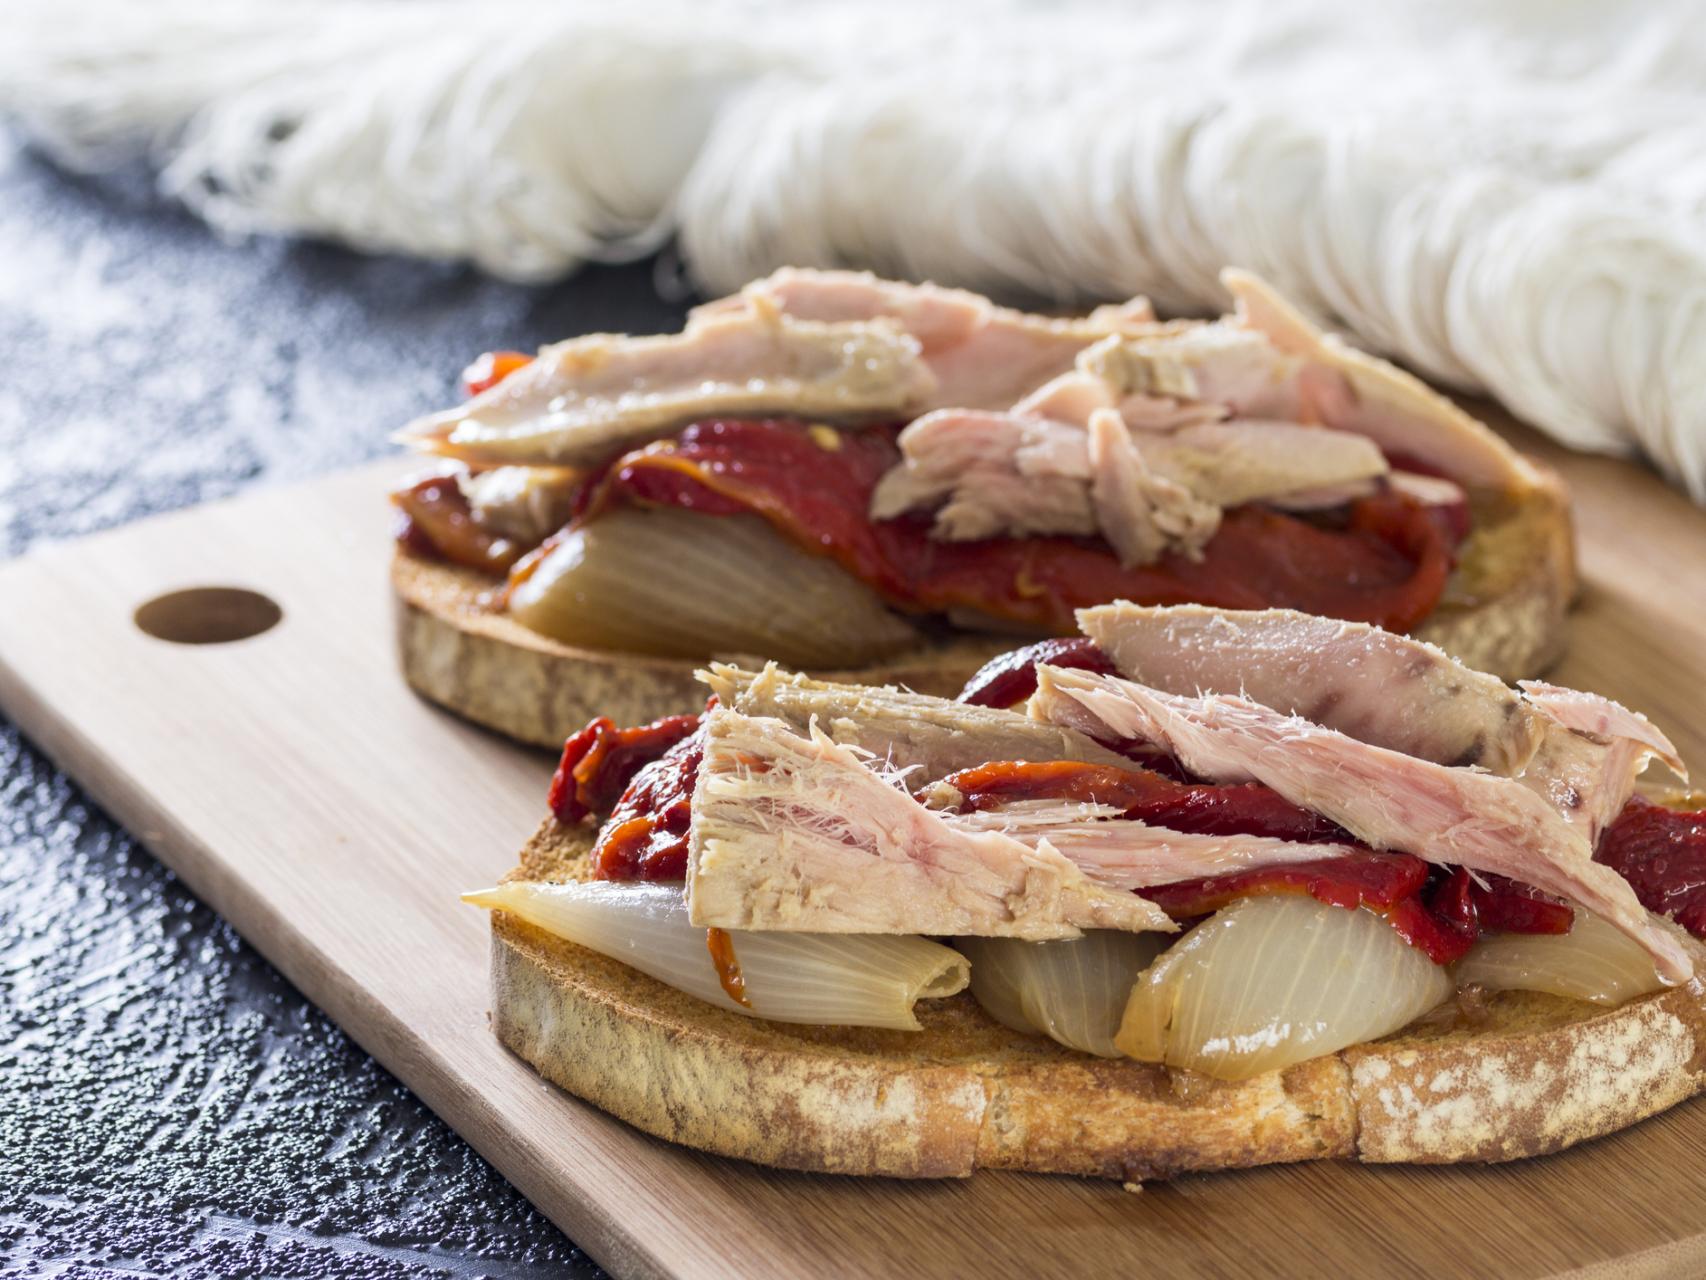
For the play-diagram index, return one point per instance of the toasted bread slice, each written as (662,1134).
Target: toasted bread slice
(1538,1074)
(1503,612)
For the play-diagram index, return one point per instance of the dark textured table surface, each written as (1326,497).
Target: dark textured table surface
(170,1105)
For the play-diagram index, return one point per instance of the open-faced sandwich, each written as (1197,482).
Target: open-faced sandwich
(887,483)
(1217,889)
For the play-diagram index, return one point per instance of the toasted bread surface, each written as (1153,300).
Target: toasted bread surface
(1503,612)
(1535,1074)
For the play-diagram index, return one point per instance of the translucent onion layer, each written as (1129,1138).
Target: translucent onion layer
(676,584)
(1270,981)
(851,980)
(1072,991)
(1594,961)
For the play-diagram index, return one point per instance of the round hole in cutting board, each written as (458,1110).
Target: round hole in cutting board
(208,615)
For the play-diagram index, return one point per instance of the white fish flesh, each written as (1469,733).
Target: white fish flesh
(583,400)
(1451,816)
(797,832)
(1380,688)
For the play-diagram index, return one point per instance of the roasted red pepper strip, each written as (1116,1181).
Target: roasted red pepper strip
(439,522)
(601,760)
(1438,910)
(1661,852)
(1451,901)
(1359,879)
(1501,904)
(1388,884)
(646,836)
(729,977)
(1206,809)
(1387,564)
(1413,922)
(1009,679)
(492,368)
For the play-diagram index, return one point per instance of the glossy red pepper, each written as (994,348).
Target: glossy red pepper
(645,837)
(492,368)
(438,522)
(601,760)
(1007,680)
(1661,852)
(1470,903)
(1385,560)
(1203,808)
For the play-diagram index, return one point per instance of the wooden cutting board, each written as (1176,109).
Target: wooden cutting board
(297,786)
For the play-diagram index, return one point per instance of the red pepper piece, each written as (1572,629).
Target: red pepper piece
(1661,852)
(492,368)
(1413,922)
(646,836)
(1451,901)
(1199,807)
(1509,906)
(600,761)
(1384,559)
(1389,884)
(437,520)
(1357,879)
(1009,679)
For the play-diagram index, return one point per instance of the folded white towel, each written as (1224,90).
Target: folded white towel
(1509,197)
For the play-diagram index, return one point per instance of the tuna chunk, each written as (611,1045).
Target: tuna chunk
(927,737)
(1383,689)
(1124,853)
(525,504)
(1586,780)
(1232,463)
(1579,752)
(1446,815)
(1073,397)
(1142,514)
(582,401)
(1222,364)
(1592,752)
(983,356)
(1344,388)
(992,473)
(800,833)
(1004,474)
(1269,362)
(939,318)
(1146,492)
(1601,718)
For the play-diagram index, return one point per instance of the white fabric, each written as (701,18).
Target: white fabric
(1507,196)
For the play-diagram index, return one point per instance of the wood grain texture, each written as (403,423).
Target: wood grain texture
(299,787)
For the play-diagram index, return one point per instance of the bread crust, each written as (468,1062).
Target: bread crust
(1503,612)
(1540,1074)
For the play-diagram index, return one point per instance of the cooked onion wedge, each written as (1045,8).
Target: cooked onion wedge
(1072,991)
(845,980)
(676,584)
(1594,961)
(1270,981)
